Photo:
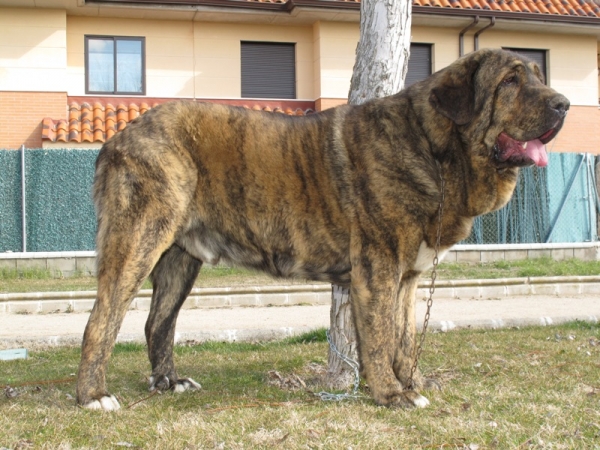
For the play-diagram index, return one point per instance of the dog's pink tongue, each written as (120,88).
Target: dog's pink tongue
(536,151)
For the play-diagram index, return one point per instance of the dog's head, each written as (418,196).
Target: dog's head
(499,99)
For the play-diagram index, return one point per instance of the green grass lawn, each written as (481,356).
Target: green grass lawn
(506,389)
(44,280)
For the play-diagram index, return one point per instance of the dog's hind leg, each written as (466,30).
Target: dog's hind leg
(117,285)
(172,279)
(126,257)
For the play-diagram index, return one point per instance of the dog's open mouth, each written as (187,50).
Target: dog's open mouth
(509,152)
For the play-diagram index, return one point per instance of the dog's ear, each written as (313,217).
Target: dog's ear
(454,93)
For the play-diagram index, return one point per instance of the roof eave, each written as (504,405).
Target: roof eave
(350,5)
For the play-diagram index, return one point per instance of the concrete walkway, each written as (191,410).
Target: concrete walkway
(249,323)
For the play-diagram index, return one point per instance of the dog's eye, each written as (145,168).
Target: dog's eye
(512,79)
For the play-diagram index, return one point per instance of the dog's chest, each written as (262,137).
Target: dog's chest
(425,257)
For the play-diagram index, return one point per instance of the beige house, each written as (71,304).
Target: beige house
(73,72)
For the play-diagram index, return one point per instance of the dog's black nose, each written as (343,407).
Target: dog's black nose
(560,104)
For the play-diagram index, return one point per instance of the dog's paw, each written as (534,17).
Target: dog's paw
(164,384)
(407,400)
(186,384)
(105,403)
(419,401)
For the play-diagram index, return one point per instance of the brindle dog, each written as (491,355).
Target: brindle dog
(349,195)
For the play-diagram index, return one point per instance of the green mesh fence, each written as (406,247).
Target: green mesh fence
(60,213)
(556,204)
(10,201)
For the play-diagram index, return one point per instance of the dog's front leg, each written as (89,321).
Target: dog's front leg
(406,322)
(375,304)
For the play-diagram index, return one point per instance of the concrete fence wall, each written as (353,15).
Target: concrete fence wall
(70,263)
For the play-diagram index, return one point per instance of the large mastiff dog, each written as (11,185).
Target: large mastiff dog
(350,195)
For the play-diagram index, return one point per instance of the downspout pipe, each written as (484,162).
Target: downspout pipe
(476,38)
(461,36)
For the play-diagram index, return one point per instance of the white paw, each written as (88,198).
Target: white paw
(186,384)
(421,402)
(182,385)
(106,403)
(154,383)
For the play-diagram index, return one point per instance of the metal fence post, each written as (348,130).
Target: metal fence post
(593,197)
(23,205)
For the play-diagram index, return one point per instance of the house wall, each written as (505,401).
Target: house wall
(32,50)
(169,53)
(32,73)
(444,41)
(335,51)
(21,115)
(572,70)
(42,61)
(186,59)
(218,56)
(202,60)
(572,65)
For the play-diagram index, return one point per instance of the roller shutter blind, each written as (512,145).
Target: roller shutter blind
(539,56)
(419,63)
(268,70)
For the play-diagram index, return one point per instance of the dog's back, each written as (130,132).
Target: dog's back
(247,187)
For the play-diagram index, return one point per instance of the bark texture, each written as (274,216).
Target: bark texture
(343,336)
(383,50)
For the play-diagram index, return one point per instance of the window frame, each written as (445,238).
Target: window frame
(293,46)
(115,91)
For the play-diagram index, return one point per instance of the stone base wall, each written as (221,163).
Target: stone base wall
(70,263)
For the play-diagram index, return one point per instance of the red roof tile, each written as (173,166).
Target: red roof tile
(97,122)
(582,8)
(577,8)
(559,9)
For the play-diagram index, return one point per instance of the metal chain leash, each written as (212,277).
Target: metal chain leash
(329,396)
(419,348)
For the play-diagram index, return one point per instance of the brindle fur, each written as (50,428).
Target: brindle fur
(347,195)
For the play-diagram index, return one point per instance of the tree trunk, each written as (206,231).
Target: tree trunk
(342,334)
(383,50)
(380,68)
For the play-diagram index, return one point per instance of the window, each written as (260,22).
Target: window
(268,70)
(115,65)
(539,56)
(419,63)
